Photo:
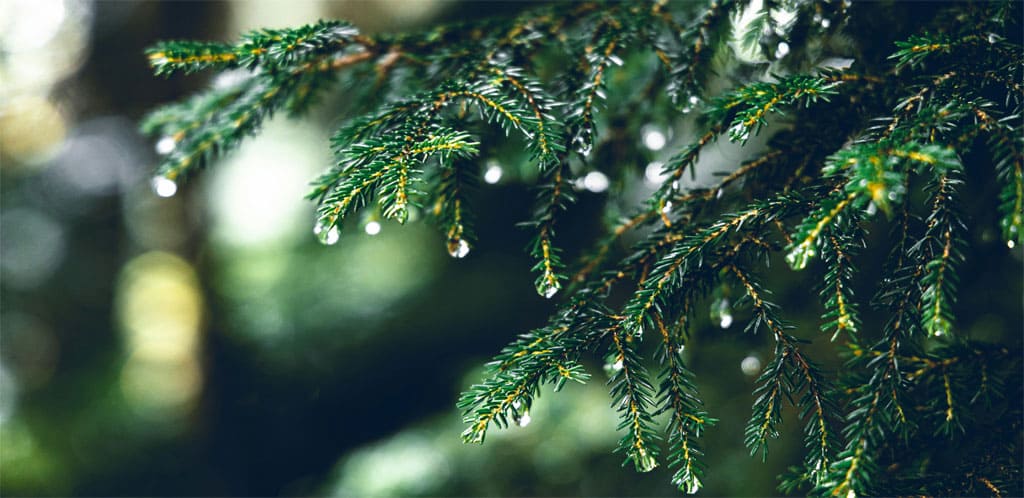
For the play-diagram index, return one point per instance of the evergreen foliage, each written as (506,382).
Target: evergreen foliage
(888,141)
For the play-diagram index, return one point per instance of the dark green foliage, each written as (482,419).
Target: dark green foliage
(900,133)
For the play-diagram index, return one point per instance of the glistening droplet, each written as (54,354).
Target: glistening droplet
(458,248)
(163,186)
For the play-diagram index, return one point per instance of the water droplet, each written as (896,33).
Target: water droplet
(458,248)
(800,255)
(644,461)
(739,133)
(493,173)
(675,185)
(653,173)
(401,214)
(614,59)
(163,186)
(596,181)
(617,365)
(372,228)
(718,194)
(781,50)
(165,145)
(751,365)
(654,139)
(516,404)
(694,100)
(872,208)
(547,289)
(327,236)
(994,38)
(525,419)
(584,149)
(721,312)
(825,23)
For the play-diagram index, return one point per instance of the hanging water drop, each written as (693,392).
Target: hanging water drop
(327,236)
(653,173)
(548,289)
(165,145)
(458,248)
(721,312)
(653,138)
(645,462)
(525,419)
(493,173)
(401,214)
(675,185)
(163,186)
(781,50)
(751,365)
(372,228)
(667,208)
(1011,244)
(596,182)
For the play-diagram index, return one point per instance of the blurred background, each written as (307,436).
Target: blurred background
(205,344)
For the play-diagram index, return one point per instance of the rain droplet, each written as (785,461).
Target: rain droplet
(654,139)
(825,23)
(751,365)
(165,145)
(653,173)
(516,404)
(596,181)
(548,290)
(645,462)
(694,100)
(739,133)
(525,419)
(781,50)
(372,228)
(401,214)
(1011,244)
(493,173)
(327,236)
(872,209)
(458,248)
(617,365)
(163,186)
(993,38)
(667,208)
(675,185)
(721,312)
